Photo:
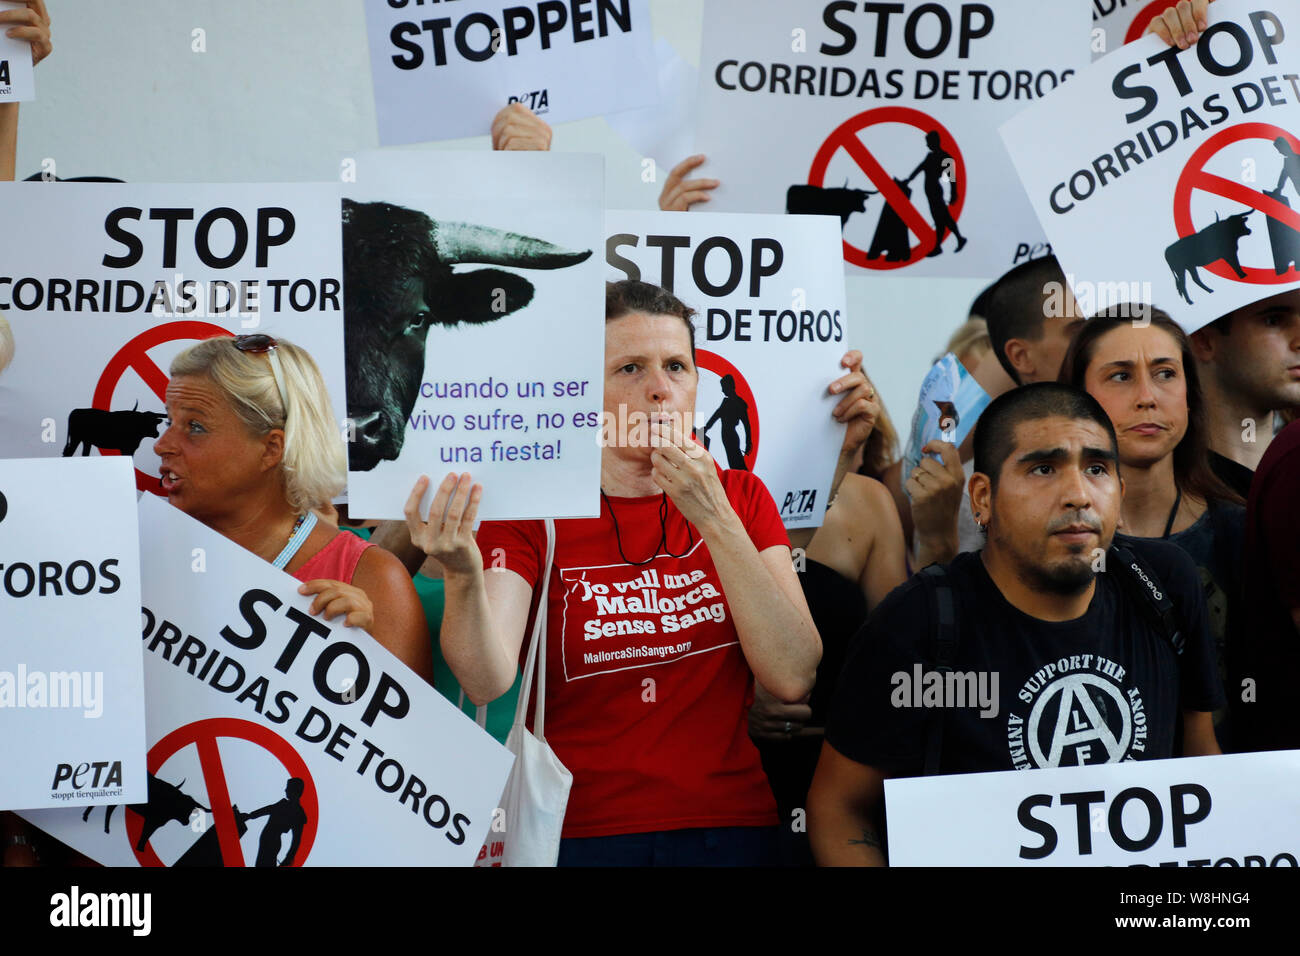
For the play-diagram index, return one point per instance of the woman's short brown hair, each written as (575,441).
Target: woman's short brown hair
(632,295)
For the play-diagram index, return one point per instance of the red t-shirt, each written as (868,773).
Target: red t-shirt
(647,689)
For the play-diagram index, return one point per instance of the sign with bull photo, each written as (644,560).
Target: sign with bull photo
(443,70)
(1236,810)
(71,677)
(884,116)
(17,78)
(769,333)
(1172,177)
(475,329)
(111,281)
(276,737)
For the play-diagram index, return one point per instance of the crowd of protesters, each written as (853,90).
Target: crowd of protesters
(1108,445)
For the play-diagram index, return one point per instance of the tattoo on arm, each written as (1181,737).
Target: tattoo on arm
(868,839)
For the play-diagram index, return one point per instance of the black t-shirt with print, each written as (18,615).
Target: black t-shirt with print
(1104,687)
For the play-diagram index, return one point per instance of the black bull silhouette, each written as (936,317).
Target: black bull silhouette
(165,802)
(399,283)
(117,431)
(835,201)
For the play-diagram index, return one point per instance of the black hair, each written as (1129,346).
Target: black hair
(632,295)
(995,432)
(1014,305)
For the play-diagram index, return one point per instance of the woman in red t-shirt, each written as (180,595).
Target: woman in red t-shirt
(661,614)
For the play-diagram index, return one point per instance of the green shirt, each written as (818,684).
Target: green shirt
(501,712)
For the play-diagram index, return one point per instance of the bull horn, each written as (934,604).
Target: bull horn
(202,807)
(463,242)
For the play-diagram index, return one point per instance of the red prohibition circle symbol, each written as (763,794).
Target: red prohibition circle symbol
(1194,176)
(719,366)
(203,734)
(1144,17)
(135,354)
(845,136)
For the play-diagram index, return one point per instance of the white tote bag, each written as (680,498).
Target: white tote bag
(537,791)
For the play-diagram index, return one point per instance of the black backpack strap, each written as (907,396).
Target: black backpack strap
(942,651)
(1145,588)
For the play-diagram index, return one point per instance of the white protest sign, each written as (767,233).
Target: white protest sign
(1230,810)
(297,739)
(459,367)
(443,71)
(1172,177)
(1116,22)
(17,80)
(769,333)
(884,115)
(71,677)
(112,281)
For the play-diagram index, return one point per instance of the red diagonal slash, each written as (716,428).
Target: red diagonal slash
(203,735)
(845,137)
(1194,176)
(135,355)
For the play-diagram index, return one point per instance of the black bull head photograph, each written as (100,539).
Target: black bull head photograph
(399,283)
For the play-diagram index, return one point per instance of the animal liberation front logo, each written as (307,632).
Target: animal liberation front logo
(1078,713)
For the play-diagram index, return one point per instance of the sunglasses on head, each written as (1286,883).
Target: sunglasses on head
(259,343)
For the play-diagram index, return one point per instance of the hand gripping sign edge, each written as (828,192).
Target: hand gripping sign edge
(845,136)
(1194,176)
(134,354)
(204,734)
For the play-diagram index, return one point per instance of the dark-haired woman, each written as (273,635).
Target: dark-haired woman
(1144,376)
(662,613)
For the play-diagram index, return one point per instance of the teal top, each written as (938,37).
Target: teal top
(501,712)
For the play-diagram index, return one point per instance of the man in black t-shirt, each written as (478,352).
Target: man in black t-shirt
(1055,664)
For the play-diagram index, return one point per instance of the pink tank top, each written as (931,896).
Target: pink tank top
(337,561)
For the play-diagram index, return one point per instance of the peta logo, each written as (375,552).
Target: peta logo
(75,908)
(799,502)
(1155,591)
(86,775)
(537,101)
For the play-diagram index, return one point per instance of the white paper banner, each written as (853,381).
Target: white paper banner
(1231,810)
(1172,177)
(769,297)
(443,71)
(1116,22)
(494,372)
(17,81)
(111,281)
(886,118)
(293,733)
(71,677)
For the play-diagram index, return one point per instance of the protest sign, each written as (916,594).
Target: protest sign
(112,281)
(494,371)
(1229,810)
(1172,177)
(949,405)
(443,72)
(71,678)
(257,709)
(886,118)
(769,332)
(17,81)
(1116,22)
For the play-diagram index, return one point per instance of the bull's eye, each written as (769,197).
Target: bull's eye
(419,322)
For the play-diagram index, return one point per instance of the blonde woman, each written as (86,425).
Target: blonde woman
(252,451)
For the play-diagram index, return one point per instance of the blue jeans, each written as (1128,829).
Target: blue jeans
(706,846)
